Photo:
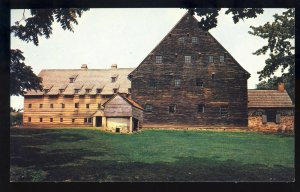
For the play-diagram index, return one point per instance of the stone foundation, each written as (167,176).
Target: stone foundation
(286,124)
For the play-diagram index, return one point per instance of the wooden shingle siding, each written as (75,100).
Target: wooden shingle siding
(228,85)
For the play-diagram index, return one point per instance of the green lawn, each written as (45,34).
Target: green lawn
(150,155)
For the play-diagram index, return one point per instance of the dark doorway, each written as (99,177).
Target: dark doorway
(117,130)
(98,121)
(135,124)
(271,116)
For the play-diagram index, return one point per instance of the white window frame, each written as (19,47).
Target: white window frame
(187,59)
(158,59)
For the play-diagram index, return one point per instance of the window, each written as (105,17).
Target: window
(222,58)
(152,83)
(46,91)
(148,108)
(29,119)
(62,105)
(87,106)
(29,105)
(210,59)
(61,119)
(113,79)
(158,59)
(61,91)
(71,80)
(87,90)
(115,90)
(129,90)
(199,82)
(76,90)
(41,119)
(41,105)
(51,119)
(177,82)
(195,40)
(99,105)
(223,111)
(200,108)
(213,76)
(51,105)
(73,120)
(181,40)
(76,105)
(271,115)
(172,108)
(87,120)
(99,91)
(187,59)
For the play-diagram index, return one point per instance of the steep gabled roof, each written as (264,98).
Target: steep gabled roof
(187,14)
(129,101)
(268,98)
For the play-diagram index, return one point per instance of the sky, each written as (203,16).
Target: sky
(126,36)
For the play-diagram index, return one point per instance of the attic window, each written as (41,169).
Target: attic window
(221,58)
(113,79)
(158,59)
(99,91)
(87,90)
(115,90)
(195,40)
(72,80)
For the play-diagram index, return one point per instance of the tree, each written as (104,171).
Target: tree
(280,35)
(209,15)
(39,24)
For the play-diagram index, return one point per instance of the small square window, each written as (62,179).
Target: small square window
(210,59)
(152,83)
(29,119)
(187,59)
(61,119)
(62,105)
(148,107)
(195,40)
(222,58)
(172,108)
(177,82)
(87,106)
(113,79)
(71,80)
(76,90)
(29,105)
(76,105)
(51,119)
(158,59)
(223,111)
(73,120)
(41,119)
(201,108)
(51,105)
(41,105)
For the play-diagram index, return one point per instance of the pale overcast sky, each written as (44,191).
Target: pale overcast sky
(126,36)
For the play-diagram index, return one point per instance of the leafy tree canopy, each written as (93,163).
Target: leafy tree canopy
(39,24)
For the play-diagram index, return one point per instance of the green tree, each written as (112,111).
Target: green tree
(38,24)
(281,36)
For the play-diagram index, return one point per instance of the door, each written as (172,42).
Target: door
(98,121)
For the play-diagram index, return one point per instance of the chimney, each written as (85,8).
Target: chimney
(84,66)
(114,66)
(281,87)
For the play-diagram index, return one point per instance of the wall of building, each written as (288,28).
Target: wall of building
(68,113)
(228,86)
(118,122)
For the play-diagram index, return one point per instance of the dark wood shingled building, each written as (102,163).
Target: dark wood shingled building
(189,79)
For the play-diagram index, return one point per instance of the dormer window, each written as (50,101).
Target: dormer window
(113,79)
(99,91)
(46,91)
(115,90)
(87,90)
(61,91)
(72,80)
(76,90)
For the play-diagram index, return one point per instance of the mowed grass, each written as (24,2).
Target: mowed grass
(150,155)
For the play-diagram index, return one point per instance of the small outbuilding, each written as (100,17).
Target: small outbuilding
(270,109)
(122,114)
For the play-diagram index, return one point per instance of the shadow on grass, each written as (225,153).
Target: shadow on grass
(30,163)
